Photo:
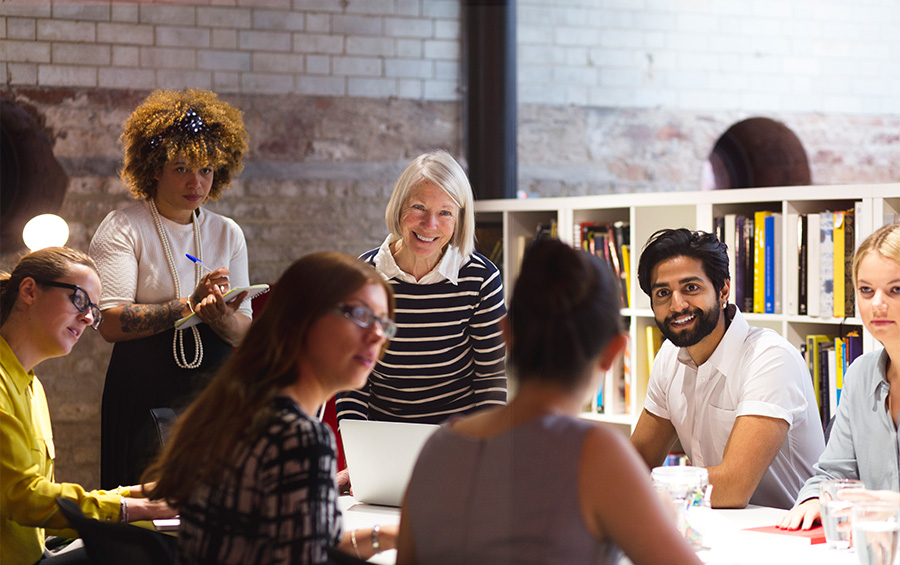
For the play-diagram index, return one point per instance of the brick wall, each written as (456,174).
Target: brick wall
(338,95)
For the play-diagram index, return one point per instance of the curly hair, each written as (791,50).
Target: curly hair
(193,123)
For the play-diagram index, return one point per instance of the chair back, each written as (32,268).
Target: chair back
(114,544)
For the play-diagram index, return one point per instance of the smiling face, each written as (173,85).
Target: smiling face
(339,353)
(428,222)
(58,324)
(878,296)
(182,188)
(687,308)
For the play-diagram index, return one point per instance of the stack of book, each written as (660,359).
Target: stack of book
(612,243)
(828,357)
(818,262)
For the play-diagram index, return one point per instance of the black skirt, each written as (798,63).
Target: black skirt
(143,376)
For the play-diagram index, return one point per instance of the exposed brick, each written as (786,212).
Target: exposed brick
(224,81)
(67,75)
(167,14)
(125,77)
(318,23)
(409,48)
(21,74)
(80,54)
(24,52)
(168,58)
(408,27)
(321,86)
(409,68)
(277,63)
(182,36)
(444,90)
(264,41)
(371,46)
(126,56)
(21,28)
(356,66)
(281,20)
(184,79)
(239,18)
(371,7)
(318,64)
(125,33)
(266,83)
(26,9)
(121,12)
(60,30)
(312,43)
(224,60)
(356,25)
(224,39)
(318,5)
(442,50)
(81,11)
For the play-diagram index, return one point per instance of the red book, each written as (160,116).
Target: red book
(811,536)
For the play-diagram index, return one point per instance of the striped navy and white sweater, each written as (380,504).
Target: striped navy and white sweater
(448,356)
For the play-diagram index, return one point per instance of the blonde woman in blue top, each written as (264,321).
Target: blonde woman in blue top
(864,443)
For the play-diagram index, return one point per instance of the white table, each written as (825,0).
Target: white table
(724,537)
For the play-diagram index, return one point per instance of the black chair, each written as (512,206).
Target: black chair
(114,544)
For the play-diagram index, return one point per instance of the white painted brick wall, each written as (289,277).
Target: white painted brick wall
(749,55)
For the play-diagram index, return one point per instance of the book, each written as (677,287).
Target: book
(759,261)
(826,265)
(813,358)
(792,263)
(740,251)
(826,370)
(626,269)
(254,290)
(837,239)
(849,249)
(729,226)
(653,343)
(802,265)
(812,536)
(772,263)
(748,248)
(813,265)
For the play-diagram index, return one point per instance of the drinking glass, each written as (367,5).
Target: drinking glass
(683,488)
(876,530)
(836,512)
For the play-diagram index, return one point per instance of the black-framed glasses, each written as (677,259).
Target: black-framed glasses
(365,318)
(80,299)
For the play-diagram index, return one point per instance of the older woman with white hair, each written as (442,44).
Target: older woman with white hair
(448,355)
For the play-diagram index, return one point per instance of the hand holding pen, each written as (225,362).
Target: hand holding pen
(218,274)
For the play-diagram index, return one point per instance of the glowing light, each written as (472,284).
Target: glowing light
(46,230)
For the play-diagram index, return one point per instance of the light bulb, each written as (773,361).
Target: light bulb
(45,230)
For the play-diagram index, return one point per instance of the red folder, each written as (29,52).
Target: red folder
(812,536)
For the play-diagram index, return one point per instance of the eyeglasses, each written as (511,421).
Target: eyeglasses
(80,299)
(365,318)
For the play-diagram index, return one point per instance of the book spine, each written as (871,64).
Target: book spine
(802,265)
(837,237)
(826,265)
(769,265)
(813,269)
(748,264)
(849,248)
(759,262)
(730,239)
(740,250)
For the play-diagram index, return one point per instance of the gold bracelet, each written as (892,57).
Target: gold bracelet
(353,541)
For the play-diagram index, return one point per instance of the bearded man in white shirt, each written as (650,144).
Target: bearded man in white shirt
(739,398)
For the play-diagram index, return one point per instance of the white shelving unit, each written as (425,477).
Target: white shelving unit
(648,212)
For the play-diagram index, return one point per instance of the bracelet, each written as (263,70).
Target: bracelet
(353,541)
(123,511)
(375,545)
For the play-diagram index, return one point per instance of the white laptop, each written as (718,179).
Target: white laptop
(381,456)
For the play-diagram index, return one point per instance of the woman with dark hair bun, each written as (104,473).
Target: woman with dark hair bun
(530,481)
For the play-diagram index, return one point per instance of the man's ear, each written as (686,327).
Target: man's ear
(725,293)
(613,350)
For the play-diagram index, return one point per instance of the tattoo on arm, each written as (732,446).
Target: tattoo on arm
(153,318)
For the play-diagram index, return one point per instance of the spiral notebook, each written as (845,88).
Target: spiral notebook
(254,291)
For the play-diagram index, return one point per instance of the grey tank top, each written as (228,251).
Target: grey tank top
(511,498)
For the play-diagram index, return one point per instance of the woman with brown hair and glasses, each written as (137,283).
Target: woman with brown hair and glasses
(249,465)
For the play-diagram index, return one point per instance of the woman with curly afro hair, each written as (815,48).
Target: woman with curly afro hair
(182,149)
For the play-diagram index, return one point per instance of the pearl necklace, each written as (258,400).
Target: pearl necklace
(178,338)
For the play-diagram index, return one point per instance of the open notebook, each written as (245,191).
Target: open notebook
(253,291)
(380,457)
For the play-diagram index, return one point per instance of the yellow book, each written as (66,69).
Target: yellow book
(626,268)
(654,342)
(759,261)
(838,260)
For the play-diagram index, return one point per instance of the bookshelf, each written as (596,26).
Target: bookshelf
(517,222)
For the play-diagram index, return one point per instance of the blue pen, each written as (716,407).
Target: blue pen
(198,261)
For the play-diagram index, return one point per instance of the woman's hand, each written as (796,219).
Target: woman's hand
(802,516)
(145,509)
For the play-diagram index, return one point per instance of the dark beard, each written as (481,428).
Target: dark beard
(706,323)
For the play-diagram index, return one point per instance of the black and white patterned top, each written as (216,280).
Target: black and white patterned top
(448,356)
(275,503)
